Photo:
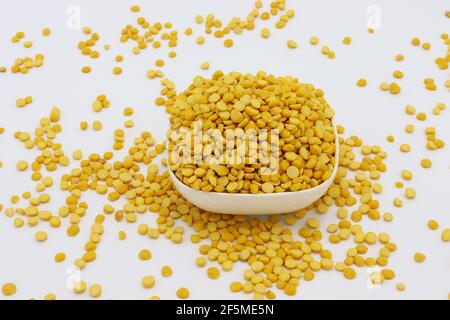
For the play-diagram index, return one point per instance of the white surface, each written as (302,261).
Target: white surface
(367,112)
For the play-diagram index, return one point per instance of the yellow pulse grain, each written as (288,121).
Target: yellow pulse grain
(407,175)
(86,69)
(410,110)
(228,43)
(349,273)
(83,125)
(204,65)
(388,217)
(128,124)
(415,41)
(400,286)
(292,44)
(426,46)
(397,74)
(41,236)
(9,289)
(166,271)
(446,235)
(361,83)
(399,57)
(314,40)
(433,224)
(97,125)
(213,273)
(183,293)
(50,297)
(95,290)
(265,33)
(77,155)
(60,257)
(236,286)
(410,193)
(421,116)
(200,262)
(200,40)
(122,235)
(148,281)
(145,254)
(46,32)
(426,163)
(135,8)
(80,287)
(394,88)
(128,111)
(419,257)
(22,165)
(404,147)
(398,203)
(117,70)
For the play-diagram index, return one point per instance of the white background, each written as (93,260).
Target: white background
(366,112)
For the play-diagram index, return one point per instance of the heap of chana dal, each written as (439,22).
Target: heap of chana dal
(297,111)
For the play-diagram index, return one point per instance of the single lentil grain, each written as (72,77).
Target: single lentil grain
(95,291)
(419,257)
(183,293)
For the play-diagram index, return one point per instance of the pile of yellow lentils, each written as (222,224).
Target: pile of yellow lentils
(279,251)
(305,146)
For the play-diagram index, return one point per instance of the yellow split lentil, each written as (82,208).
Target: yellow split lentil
(86,69)
(50,296)
(145,254)
(446,235)
(265,33)
(204,65)
(410,193)
(148,281)
(22,165)
(97,125)
(397,74)
(399,57)
(183,293)
(166,271)
(361,82)
(400,286)
(213,273)
(41,236)
(46,32)
(80,287)
(292,44)
(228,43)
(426,163)
(433,224)
(200,262)
(95,291)
(117,70)
(314,40)
(60,257)
(9,289)
(419,257)
(394,88)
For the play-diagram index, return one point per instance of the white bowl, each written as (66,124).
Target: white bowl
(256,204)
